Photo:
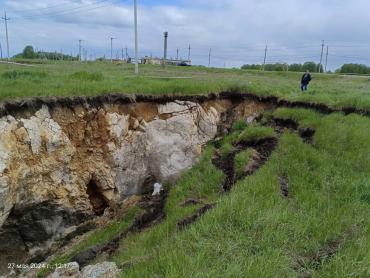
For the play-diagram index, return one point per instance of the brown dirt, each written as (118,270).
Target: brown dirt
(29,106)
(190,202)
(306,133)
(226,165)
(182,224)
(284,190)
(263,147)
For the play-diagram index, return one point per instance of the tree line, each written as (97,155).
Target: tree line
(354,68)
(29,53)
(311,66)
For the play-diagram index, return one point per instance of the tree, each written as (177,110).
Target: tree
(311,66)
(28,52)
(354,68)
(295,67)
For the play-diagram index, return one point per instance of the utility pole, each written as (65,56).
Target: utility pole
(79,49)
(209,57)
(1,52)
(264,59)
(111,49)
(6,31)
(136,40)
(165,48)
(322,53)
(327,54)
(177,54)
(122,55)
(126,54)
(189,53)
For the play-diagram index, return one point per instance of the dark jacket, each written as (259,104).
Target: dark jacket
(306,78)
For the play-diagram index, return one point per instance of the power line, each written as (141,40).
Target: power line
(70,9)
(189,52)
(209,57)
(136,40)
(264,59)
(6,19)
(322,53)
(327,54)
(44,8)
(75,10)
(111,49)
(79,49)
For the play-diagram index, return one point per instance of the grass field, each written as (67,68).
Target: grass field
(94,78)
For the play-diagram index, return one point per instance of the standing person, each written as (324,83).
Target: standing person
(306,78)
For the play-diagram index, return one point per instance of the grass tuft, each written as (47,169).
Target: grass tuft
(87,76)
(241,161)
(256,133)
(16,74)
(239,125)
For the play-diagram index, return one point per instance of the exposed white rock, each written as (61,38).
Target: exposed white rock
(118,124)
(42,127)
(157,189)
(101,270)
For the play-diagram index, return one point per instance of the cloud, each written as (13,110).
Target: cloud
(236,30)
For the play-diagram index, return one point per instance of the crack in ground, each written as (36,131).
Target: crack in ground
(307,263)
(264,148)
(182,224)
(306,133)
(153,214)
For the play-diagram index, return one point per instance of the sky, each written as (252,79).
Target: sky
(236,31)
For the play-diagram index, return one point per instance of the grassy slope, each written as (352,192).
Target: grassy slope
(60,79)
(254,231)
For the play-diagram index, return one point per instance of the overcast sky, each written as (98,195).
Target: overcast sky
(236,30)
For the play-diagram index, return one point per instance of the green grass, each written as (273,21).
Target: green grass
(59,79)
(241,161)
(239,125)
(87,76)
(254,231)
(256,133)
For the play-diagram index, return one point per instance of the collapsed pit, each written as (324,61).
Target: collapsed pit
(127,146)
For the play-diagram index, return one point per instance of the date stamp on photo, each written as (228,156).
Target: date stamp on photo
(15,266)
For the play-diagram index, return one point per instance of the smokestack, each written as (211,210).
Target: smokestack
(165,48)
